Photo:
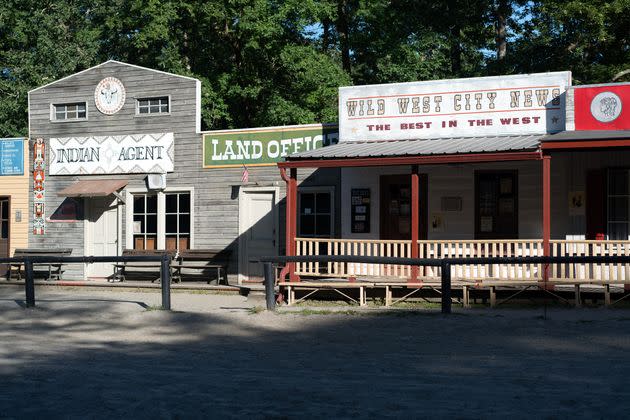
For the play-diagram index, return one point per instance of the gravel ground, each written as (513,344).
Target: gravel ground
(111,354)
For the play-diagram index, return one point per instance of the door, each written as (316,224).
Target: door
(496,209)
(257,231)
(4,232)
(103,228)
(395,198)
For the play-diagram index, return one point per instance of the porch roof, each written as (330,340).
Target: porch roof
(421,147)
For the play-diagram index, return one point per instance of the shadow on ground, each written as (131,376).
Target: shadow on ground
(101,358)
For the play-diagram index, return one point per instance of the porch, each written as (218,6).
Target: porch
(503,195)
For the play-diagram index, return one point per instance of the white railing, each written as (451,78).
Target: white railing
(426,249)
(605,272)
(462,249)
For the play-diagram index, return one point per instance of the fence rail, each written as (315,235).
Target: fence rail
(29,283)
(446,265)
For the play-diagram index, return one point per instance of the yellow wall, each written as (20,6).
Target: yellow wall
(17,188)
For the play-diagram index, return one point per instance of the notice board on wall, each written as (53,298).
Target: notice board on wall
(360,210)
(11,157)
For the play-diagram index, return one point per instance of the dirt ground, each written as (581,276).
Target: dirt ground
(111,354)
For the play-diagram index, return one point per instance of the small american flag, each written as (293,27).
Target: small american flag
(245,176)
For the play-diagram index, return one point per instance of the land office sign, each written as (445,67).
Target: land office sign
(140,153)
(263,146)
(484,106)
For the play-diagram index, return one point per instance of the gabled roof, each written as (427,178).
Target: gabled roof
(106,63)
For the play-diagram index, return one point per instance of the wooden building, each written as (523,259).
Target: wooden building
(519,165)
(118,158)
(14,196)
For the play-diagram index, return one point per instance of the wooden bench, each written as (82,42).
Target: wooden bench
(52,271)
(140,269)
(201,262)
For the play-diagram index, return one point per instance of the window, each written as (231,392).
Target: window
(618,205)
(496,197)
(65,112)
(153,106)
(145,215)
(4,219)
(159,220)
(177,220)
(315,213)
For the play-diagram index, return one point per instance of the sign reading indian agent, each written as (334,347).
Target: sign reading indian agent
(141,153)
(263,146)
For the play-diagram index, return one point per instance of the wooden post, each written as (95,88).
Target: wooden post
(415,218)
(546,212)
(291,250)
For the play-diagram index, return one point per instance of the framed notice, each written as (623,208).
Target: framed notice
(360,210)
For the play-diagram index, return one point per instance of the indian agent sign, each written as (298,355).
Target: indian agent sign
(141,153)
(263,146)
(484,106)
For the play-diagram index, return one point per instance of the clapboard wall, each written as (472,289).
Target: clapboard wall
(216,191)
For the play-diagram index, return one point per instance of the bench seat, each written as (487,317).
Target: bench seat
(209,264)
(51,271)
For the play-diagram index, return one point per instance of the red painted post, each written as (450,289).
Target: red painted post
(415,218)
(546,210)
(292,221)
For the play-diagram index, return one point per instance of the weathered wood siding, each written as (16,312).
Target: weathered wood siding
(215,194)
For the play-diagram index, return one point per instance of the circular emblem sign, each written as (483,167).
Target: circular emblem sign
(109,95)
(606,107)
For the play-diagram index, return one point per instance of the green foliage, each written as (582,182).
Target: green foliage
(275,62)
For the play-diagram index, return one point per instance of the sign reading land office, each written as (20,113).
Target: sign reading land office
(139,153)
(263,146)
(11,157)
(505,105)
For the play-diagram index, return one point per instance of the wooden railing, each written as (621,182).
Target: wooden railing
(463,249)
(592,271)
(426,249)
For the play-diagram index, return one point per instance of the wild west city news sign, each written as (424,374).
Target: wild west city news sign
(263,146)
(485,106)
(141,153)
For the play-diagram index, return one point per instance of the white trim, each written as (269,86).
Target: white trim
(330,189)
(198,106)
(88,243)
(272,128)
(161,214)
(105,63)
(53,112)
(242,218)
(149,114)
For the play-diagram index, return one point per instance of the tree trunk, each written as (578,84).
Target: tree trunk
(342,30)
(500,25)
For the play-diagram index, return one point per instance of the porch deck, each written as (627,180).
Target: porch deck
(339,276)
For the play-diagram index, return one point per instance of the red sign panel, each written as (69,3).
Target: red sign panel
(602,107)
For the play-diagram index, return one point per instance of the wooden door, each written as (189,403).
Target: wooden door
(103,234)
(5,230)
(496,205)
(257,223)
(395,207)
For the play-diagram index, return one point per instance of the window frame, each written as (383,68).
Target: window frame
(608,206)
(53,112)
(161,212)
(314,190)
(152,114)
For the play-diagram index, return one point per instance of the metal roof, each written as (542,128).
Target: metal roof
(93,188)
(588,135)
(419,147)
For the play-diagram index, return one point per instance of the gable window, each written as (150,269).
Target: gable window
(69,112)
(153,105)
